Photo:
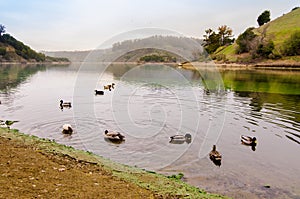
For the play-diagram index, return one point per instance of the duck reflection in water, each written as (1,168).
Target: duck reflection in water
(249,141)
(215,156)
(180,139)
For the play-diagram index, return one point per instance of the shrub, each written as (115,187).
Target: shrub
(221,57)
(2,50)
(265,50)
(291,46)
(244,41)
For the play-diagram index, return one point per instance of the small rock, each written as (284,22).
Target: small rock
(61,169)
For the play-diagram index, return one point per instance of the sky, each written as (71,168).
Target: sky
(55,25)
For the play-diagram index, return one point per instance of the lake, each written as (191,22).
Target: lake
(152,102)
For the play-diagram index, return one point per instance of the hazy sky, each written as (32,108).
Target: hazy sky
(85,24)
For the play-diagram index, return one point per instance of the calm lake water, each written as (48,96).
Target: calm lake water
(150,103)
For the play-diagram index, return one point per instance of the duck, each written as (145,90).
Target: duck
(99,92)
(65,104)
(67,129)
(247,140)
(215,156)
(113,85)
(114,136)
(7,123)
(107,87)
(180,139)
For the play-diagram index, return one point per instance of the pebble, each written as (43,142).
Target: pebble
(61,169)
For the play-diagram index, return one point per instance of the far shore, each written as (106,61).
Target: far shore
(33,63)
(279,64)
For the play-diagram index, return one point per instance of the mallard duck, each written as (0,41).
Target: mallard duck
(215,156)
(67,129)
(114,136)
(7,123)
(180,139)
(247,140)
(99,92)
(107,87)
(65,104)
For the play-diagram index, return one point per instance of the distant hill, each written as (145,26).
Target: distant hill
(278,32)
(73,56)
(12,50)
(165,47)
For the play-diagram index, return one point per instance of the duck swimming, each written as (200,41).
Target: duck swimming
(215,156)
(115,137)
(99,92)
(249,141)
(180,139)
(65,104)
(107,87)
(67,129)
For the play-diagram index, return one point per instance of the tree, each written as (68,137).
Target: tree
(212,43)
(245,41)
(2,29)
(225,33)
(208,32)
(214,40)
(263,18)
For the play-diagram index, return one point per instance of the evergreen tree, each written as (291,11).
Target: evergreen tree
(263,18)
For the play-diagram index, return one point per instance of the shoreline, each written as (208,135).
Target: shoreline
(280,65)
(159,185)
(240,66)
(34,63)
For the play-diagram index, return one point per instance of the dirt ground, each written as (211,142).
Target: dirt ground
(32,167)
(29,173)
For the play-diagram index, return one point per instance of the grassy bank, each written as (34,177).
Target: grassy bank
(278,31)
(150,184)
